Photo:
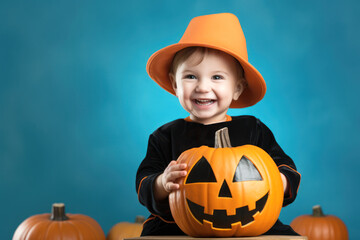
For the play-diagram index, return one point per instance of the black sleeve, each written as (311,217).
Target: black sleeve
(154,163)
(286,165)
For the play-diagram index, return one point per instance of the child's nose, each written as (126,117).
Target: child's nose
(203,86)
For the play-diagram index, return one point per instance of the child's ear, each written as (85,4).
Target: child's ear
(239,89)
(173,82)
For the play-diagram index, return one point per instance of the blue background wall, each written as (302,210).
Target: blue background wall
(77,106)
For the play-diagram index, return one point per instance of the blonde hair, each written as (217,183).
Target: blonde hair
(184,54)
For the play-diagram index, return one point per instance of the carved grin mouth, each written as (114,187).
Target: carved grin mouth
(220,219)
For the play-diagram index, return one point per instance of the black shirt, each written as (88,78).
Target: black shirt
(170,140)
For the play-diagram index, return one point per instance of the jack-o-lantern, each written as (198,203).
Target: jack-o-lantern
(228,191)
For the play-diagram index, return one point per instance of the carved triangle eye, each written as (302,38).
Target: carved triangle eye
(246,171)
(201,172)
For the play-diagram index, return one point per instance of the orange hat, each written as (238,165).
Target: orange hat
(219,31)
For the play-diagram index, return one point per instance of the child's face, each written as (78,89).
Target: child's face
(206,89)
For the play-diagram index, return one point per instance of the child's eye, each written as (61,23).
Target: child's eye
(217,77)
(190,76)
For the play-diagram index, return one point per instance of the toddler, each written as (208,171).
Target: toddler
(209,72)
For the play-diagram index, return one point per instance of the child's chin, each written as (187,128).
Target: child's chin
(207,119)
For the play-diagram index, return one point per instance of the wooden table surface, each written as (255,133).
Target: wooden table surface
(269,237)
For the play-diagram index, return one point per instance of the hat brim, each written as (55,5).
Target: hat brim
(159,63)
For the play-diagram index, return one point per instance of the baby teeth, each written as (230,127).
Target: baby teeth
(204,102)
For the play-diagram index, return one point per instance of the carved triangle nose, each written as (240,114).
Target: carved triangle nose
(225,190)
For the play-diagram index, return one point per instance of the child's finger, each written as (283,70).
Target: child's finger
(172,176)
(172,163)
(178,167)
(172,186)
(173,166)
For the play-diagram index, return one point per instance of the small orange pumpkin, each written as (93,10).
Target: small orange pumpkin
(320,227)
(228,191)
(124,230)
(59,226)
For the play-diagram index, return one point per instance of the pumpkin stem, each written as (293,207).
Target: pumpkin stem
(139,219)
(222,139)
(58,212)
(317,211)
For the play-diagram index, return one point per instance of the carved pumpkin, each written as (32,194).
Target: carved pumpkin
(228,191)
(320,227)
(124,230)
(59,226)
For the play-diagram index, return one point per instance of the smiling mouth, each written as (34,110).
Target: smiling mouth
(204,102)
(220,219)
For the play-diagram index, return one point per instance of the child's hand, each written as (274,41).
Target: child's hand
(166,182)
(285,184)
